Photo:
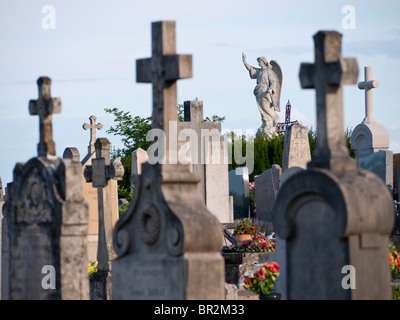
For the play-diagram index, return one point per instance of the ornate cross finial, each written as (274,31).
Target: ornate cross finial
(327,75)
(92,126)
(44,107)
(163,69)
(367,85)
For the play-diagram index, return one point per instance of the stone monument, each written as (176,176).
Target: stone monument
(168,244)
(100,173)
(208,158)
(296,147)
(343,214)
(267,91)
(47,218)
(239,190)
(369,136)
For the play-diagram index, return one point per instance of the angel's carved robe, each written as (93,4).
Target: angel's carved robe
(265,81)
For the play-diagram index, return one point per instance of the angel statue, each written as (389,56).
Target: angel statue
(267,91)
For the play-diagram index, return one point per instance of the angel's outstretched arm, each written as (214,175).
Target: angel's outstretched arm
(249,67)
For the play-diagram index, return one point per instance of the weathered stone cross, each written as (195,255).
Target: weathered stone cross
(44,107)
(92,126)
(367,85)
(327,75)
(163,69)
(102,170)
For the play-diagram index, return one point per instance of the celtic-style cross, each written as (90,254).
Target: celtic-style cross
(163,69)
(327,75)
(44,107)
(92,126)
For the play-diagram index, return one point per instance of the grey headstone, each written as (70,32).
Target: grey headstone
(47,221)
(267,187)
(333,216)
(168,244)
(380,163)
(99,173)
(239,190)
(208,158)
(296,147)
(72,153)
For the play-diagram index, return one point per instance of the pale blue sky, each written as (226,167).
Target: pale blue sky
(90,57)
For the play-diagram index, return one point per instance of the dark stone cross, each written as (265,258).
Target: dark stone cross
(44,107)
(163,69)
(327,75)
(92,126)
(99,173)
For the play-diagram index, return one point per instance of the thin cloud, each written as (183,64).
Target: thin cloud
(388,48)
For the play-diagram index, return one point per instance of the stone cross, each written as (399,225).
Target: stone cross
(347,225)
(102,170)
(327,75)
(92,126)
(367,85)
(168,243)
(163,69)
(44,107)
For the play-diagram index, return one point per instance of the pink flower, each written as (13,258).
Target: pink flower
(252,186)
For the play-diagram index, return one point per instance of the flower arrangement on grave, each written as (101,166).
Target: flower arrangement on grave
(263,280)
(258,244)
(394,262)
(252,194)
(244,226)
(92,268)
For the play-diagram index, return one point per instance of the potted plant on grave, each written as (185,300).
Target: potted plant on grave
(244,230)
(258,244)
(263,282)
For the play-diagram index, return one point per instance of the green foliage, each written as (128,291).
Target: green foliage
(133,131)
(267,151)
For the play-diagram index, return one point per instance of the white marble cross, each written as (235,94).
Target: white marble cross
(44,107)
(163,69)
(92,126)
(327,75)
(367,85)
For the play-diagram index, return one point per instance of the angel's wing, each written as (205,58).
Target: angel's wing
(277,72)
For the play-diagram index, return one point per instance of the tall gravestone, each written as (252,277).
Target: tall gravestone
(380,163)
(89,192)
(139,156)
(296,147)
(267,187)
(208,156)
(334,217)
(167,243)
(100,174)
(369,136)
(239,190)
(47,218)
